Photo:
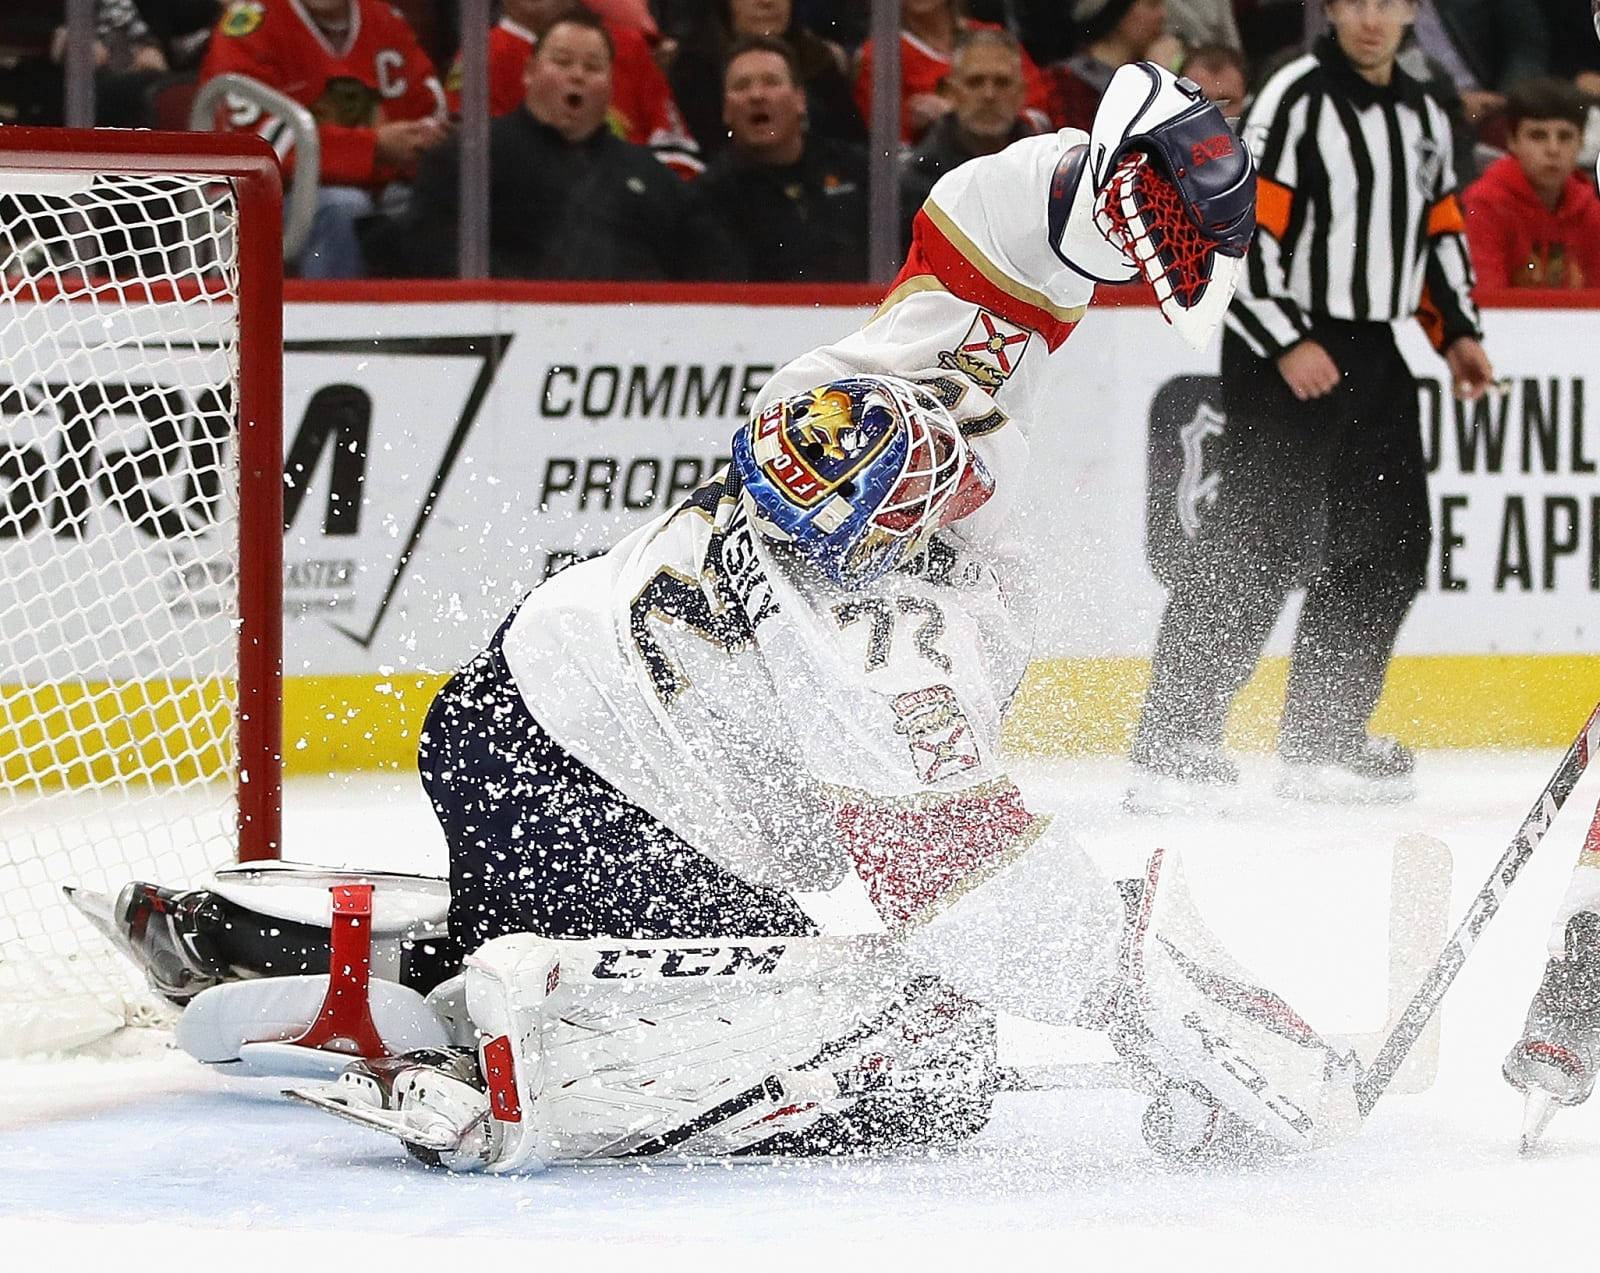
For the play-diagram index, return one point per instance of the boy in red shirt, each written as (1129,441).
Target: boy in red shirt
(357,66)
(1532,220)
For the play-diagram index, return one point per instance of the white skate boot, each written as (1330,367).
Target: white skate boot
(1555,1061)
(433,1100)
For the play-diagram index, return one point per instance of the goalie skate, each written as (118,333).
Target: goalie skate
(156,928)
(433,1101)
(1554,1062)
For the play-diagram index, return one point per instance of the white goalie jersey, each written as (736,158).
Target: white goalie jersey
(872,742)
(778,723)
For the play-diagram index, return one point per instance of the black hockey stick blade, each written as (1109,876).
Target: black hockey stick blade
(1483,908)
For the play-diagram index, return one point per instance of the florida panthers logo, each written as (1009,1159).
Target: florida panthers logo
(940,736)
(827,424)
(814,444)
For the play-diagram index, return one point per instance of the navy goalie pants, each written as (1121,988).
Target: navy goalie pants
(541,843)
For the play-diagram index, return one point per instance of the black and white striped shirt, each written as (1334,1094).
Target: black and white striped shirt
(1357,215)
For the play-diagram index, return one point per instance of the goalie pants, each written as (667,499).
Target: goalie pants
(1329,494)
(541,843)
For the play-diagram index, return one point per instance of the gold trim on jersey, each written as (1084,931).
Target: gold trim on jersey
(1025,840)
(996,276)
(916,283)
(924,801)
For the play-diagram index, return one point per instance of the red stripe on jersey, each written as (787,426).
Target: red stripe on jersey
(932,253)
(913,857)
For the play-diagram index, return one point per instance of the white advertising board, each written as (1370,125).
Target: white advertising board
(443,458)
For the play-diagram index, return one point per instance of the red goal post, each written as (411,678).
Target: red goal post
(141,541)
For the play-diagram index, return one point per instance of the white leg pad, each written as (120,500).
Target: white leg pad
(402,905)
(1210,1020)
(250,1025)
(607,1048)
(507,983)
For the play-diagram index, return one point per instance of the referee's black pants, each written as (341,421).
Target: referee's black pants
(1330,493)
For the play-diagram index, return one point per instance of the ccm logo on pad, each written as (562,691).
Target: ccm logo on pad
(687,961)
(1218,147)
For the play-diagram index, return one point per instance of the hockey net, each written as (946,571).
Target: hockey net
(140,545)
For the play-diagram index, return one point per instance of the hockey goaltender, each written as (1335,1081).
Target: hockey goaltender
(735,867)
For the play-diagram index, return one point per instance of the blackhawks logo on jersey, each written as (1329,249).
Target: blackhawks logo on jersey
(348,102)
(242,17)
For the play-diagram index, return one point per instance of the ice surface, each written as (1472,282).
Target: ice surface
(155,1163)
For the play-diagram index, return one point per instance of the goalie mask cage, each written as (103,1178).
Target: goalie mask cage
(141,543)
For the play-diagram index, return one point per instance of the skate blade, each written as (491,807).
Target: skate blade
(95,907)
(1329,785)
(387,1121)
(1173,798)
(101,912)
(1537,1111)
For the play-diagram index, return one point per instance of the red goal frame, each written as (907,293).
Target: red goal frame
(252,168)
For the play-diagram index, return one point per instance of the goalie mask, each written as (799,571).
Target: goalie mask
(1165,190)
(857,475)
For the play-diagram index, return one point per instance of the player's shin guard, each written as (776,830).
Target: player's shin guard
(1190,1016)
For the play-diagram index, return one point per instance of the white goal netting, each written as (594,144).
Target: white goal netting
(119,544)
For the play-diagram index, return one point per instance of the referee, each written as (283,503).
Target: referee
(1320,465)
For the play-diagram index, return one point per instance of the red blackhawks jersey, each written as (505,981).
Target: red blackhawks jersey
(922,68)
(643,110)
(376,74)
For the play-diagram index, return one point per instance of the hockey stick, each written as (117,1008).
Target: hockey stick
(1383,1067)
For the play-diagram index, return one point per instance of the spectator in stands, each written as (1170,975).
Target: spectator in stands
(1220,72)
(1273,32)
(128,63)
(568,199)
(378,104)
(1111,33)
(793,207)
(642,108)
(1574,52)
(30,83)
(633,15)
(697,70)
(1483,46)
(928,33)
(183,28)
(1041,26)
(1197,23)
(1532,221)
(845,22)
(986,91)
